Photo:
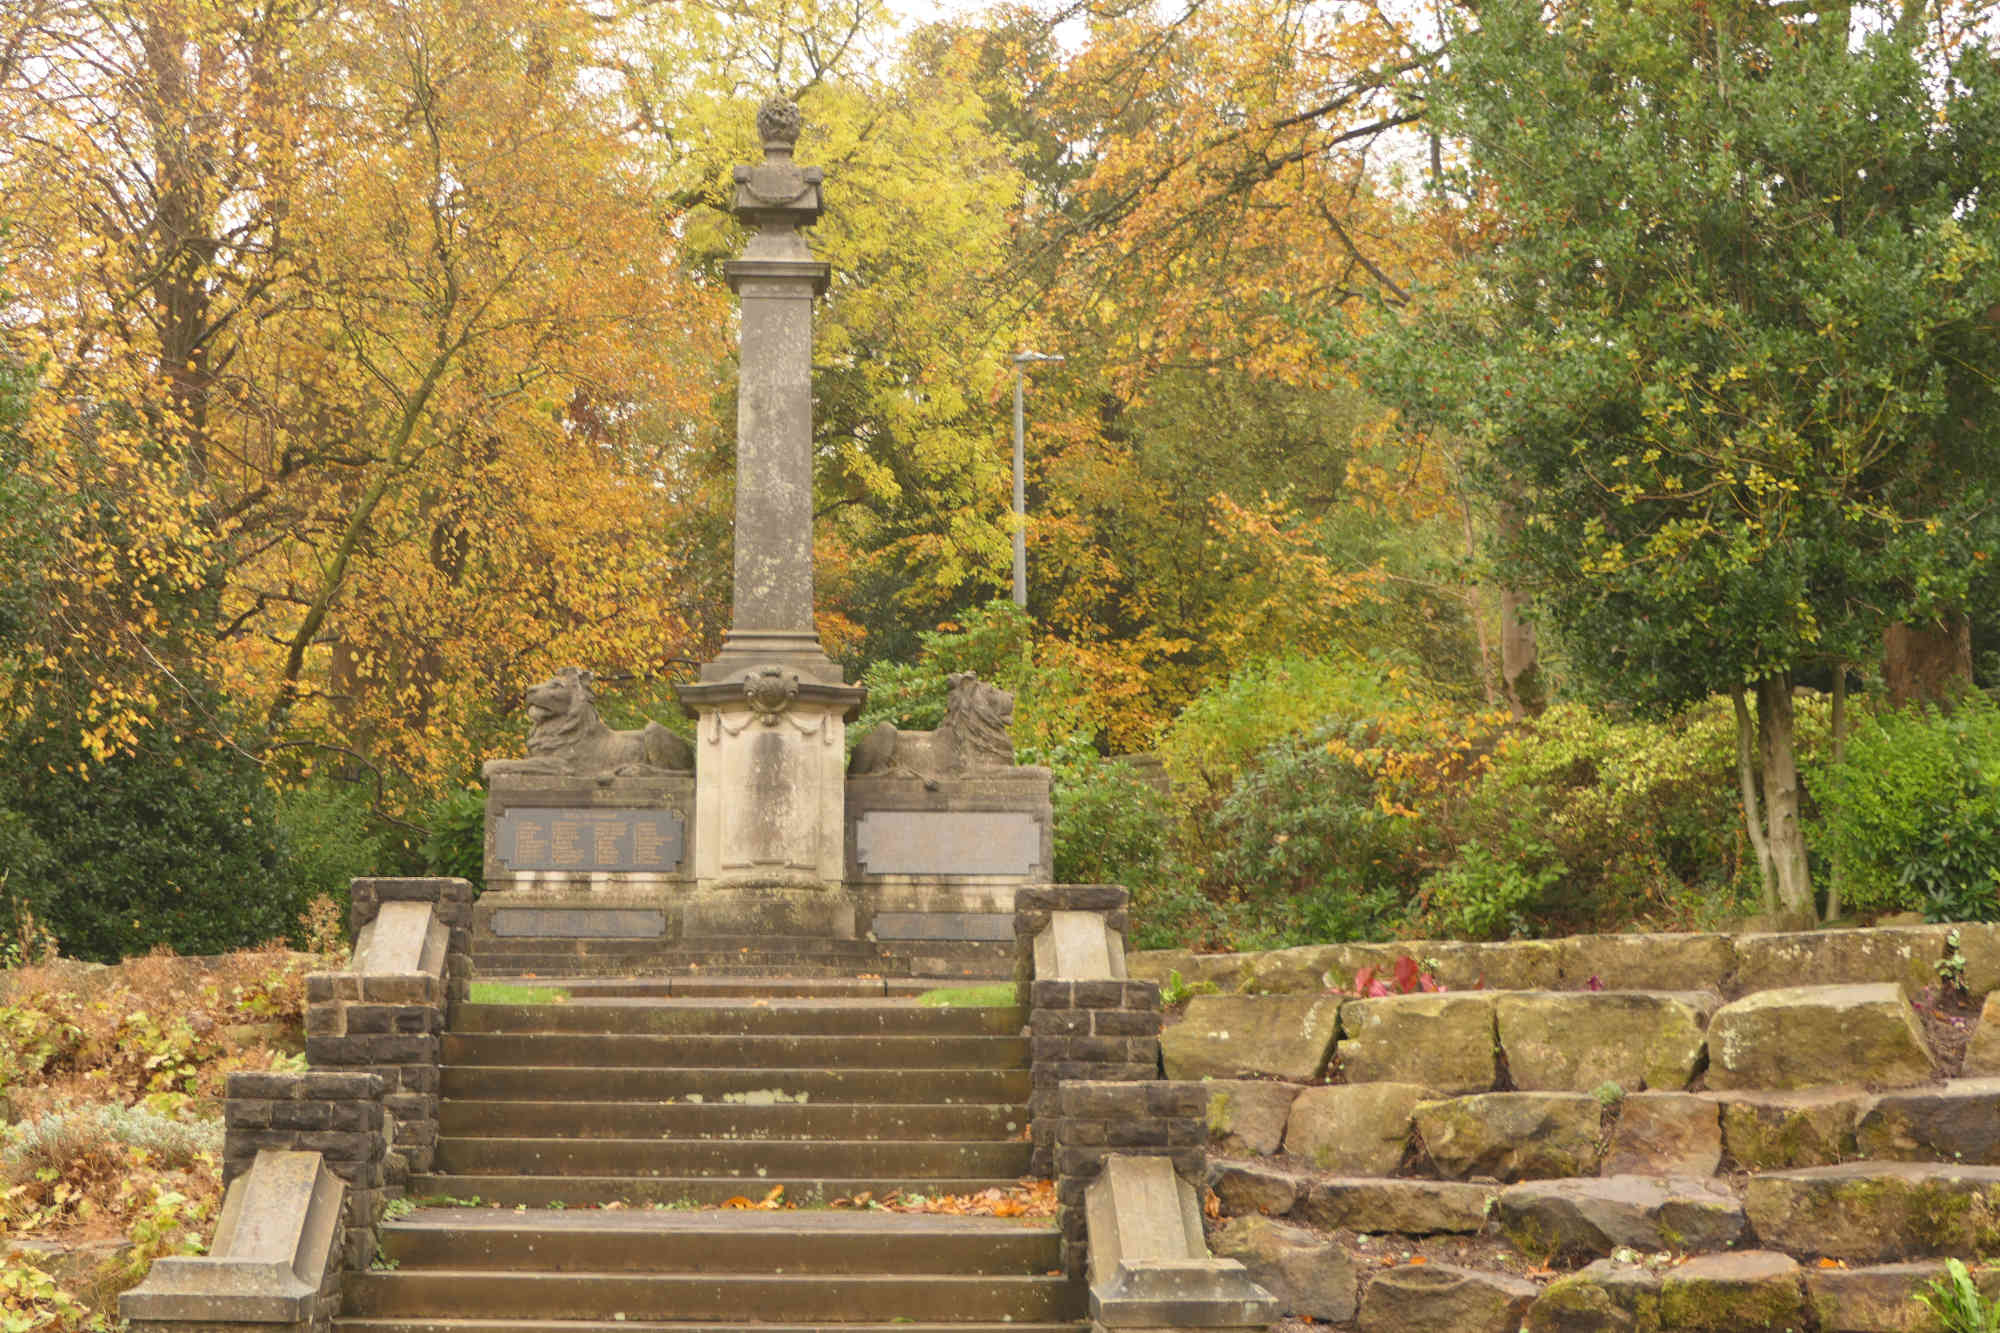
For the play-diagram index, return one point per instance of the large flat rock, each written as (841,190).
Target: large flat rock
(1511,1135)
(1399,1207)
(1818,1036)
(1957,1122)
(1310,1276)
(1254,1187)
(1665,1134)
(1659,961)
(1729,1293)
(1594,1216)
(1903,956)
(1442,1041)
(1431,1298)
(1603,1297)
(1982,1052)
(1874,1211)
(1576,1041)
(1783,1131)
(1509,965)
(1231,1036)
(1248,1115)
(1308,969)
(1356,1129)
(1881,1298)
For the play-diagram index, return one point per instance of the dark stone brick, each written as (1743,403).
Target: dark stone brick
(1184,1097)
(1140,995)
(1054,995)
(1100,994)
(265,1087)
(301,1115)
(247,1113)
(1136,1134)
(1124,1023)
(1060,1022)
(1102,1050)
(342,1146)
(354,1116)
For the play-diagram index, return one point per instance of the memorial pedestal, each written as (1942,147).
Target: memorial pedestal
(587,857)
(769,846)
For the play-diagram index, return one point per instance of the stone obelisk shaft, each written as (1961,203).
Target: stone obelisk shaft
(769,837)
(776,280)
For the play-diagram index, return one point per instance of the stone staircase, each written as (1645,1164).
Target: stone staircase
(585,1149)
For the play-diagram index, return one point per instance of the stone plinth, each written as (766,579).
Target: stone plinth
(769,853)
(940,859)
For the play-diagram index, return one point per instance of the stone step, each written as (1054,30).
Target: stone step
(1875,1211)
(711,1242)
(920,1083)
(804,946)
(746,1159)
(579,1191)
(599,1050)
(734,987)
(471,1293)
(747,1119)
(673,1016)
(562,965)
(441,1325)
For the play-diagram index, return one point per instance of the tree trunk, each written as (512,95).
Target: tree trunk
(1753,815)
(1520,658)
(1836,875)
(1930,664)
(1784,833)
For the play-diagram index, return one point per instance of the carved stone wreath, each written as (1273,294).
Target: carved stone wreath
(770,691)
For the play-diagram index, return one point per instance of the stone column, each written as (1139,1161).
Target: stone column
(770,761)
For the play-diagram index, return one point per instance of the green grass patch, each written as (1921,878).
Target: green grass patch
(999,994)
(501,992)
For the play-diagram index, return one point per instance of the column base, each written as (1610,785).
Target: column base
(824,911)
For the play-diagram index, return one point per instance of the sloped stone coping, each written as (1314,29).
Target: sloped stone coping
(1149,1264)
(275,1260)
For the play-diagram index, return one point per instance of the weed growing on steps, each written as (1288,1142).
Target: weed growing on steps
(1958,1303)
(1000,994)
(502,992)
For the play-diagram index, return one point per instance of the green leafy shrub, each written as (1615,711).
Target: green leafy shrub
(1304,837)
(1111,824)
(173,842)
(1912,812)
(327,835)
(455,837)
(1585,821)
(1483,897)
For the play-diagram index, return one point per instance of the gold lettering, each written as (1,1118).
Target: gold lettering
(567,836)
(605,835)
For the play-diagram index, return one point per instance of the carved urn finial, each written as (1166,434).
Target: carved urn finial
(778,124)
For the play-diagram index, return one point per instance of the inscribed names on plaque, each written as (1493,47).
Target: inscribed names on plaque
(529,838)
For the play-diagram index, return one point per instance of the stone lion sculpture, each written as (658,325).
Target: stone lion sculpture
(566,738)
(973,736)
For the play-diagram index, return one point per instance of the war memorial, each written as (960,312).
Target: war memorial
(695,1089)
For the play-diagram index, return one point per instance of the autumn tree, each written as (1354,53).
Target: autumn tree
(369,365)
(1731,358)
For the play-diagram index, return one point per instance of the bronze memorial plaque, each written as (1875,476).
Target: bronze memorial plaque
(527,838)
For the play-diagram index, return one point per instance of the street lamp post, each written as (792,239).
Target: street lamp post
(1022,360)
